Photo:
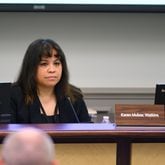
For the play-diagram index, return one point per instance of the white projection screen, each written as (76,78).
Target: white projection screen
(106,43)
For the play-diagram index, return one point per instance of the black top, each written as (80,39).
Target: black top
(23,113)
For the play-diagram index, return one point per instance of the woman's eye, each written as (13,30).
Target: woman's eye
(57,63)
(43,64)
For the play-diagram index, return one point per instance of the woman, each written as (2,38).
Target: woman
(42,93)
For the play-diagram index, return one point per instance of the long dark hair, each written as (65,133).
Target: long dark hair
(27,76)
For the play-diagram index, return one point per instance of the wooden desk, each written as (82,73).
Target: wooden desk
(97,133)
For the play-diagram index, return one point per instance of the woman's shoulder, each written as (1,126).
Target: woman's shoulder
(75,92)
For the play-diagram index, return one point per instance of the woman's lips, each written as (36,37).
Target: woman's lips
(51,77)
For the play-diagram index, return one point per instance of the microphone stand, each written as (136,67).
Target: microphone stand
(75,114)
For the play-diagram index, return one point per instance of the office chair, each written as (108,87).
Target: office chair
(5,112)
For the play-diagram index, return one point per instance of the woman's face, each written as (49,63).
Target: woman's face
(49,71)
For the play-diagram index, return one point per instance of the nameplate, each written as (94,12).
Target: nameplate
(140,114)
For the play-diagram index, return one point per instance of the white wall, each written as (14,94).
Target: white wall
(102,49)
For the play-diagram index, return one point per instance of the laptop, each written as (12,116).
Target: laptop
(5,112)
(160,94)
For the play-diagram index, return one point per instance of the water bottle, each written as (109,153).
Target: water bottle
(105,119)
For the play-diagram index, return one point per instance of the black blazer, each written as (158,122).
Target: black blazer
(23,113)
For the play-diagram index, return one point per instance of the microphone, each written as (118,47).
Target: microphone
(75,114)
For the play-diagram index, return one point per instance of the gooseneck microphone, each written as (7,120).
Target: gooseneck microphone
(75,114)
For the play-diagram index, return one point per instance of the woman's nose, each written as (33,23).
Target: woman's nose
(51,68)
